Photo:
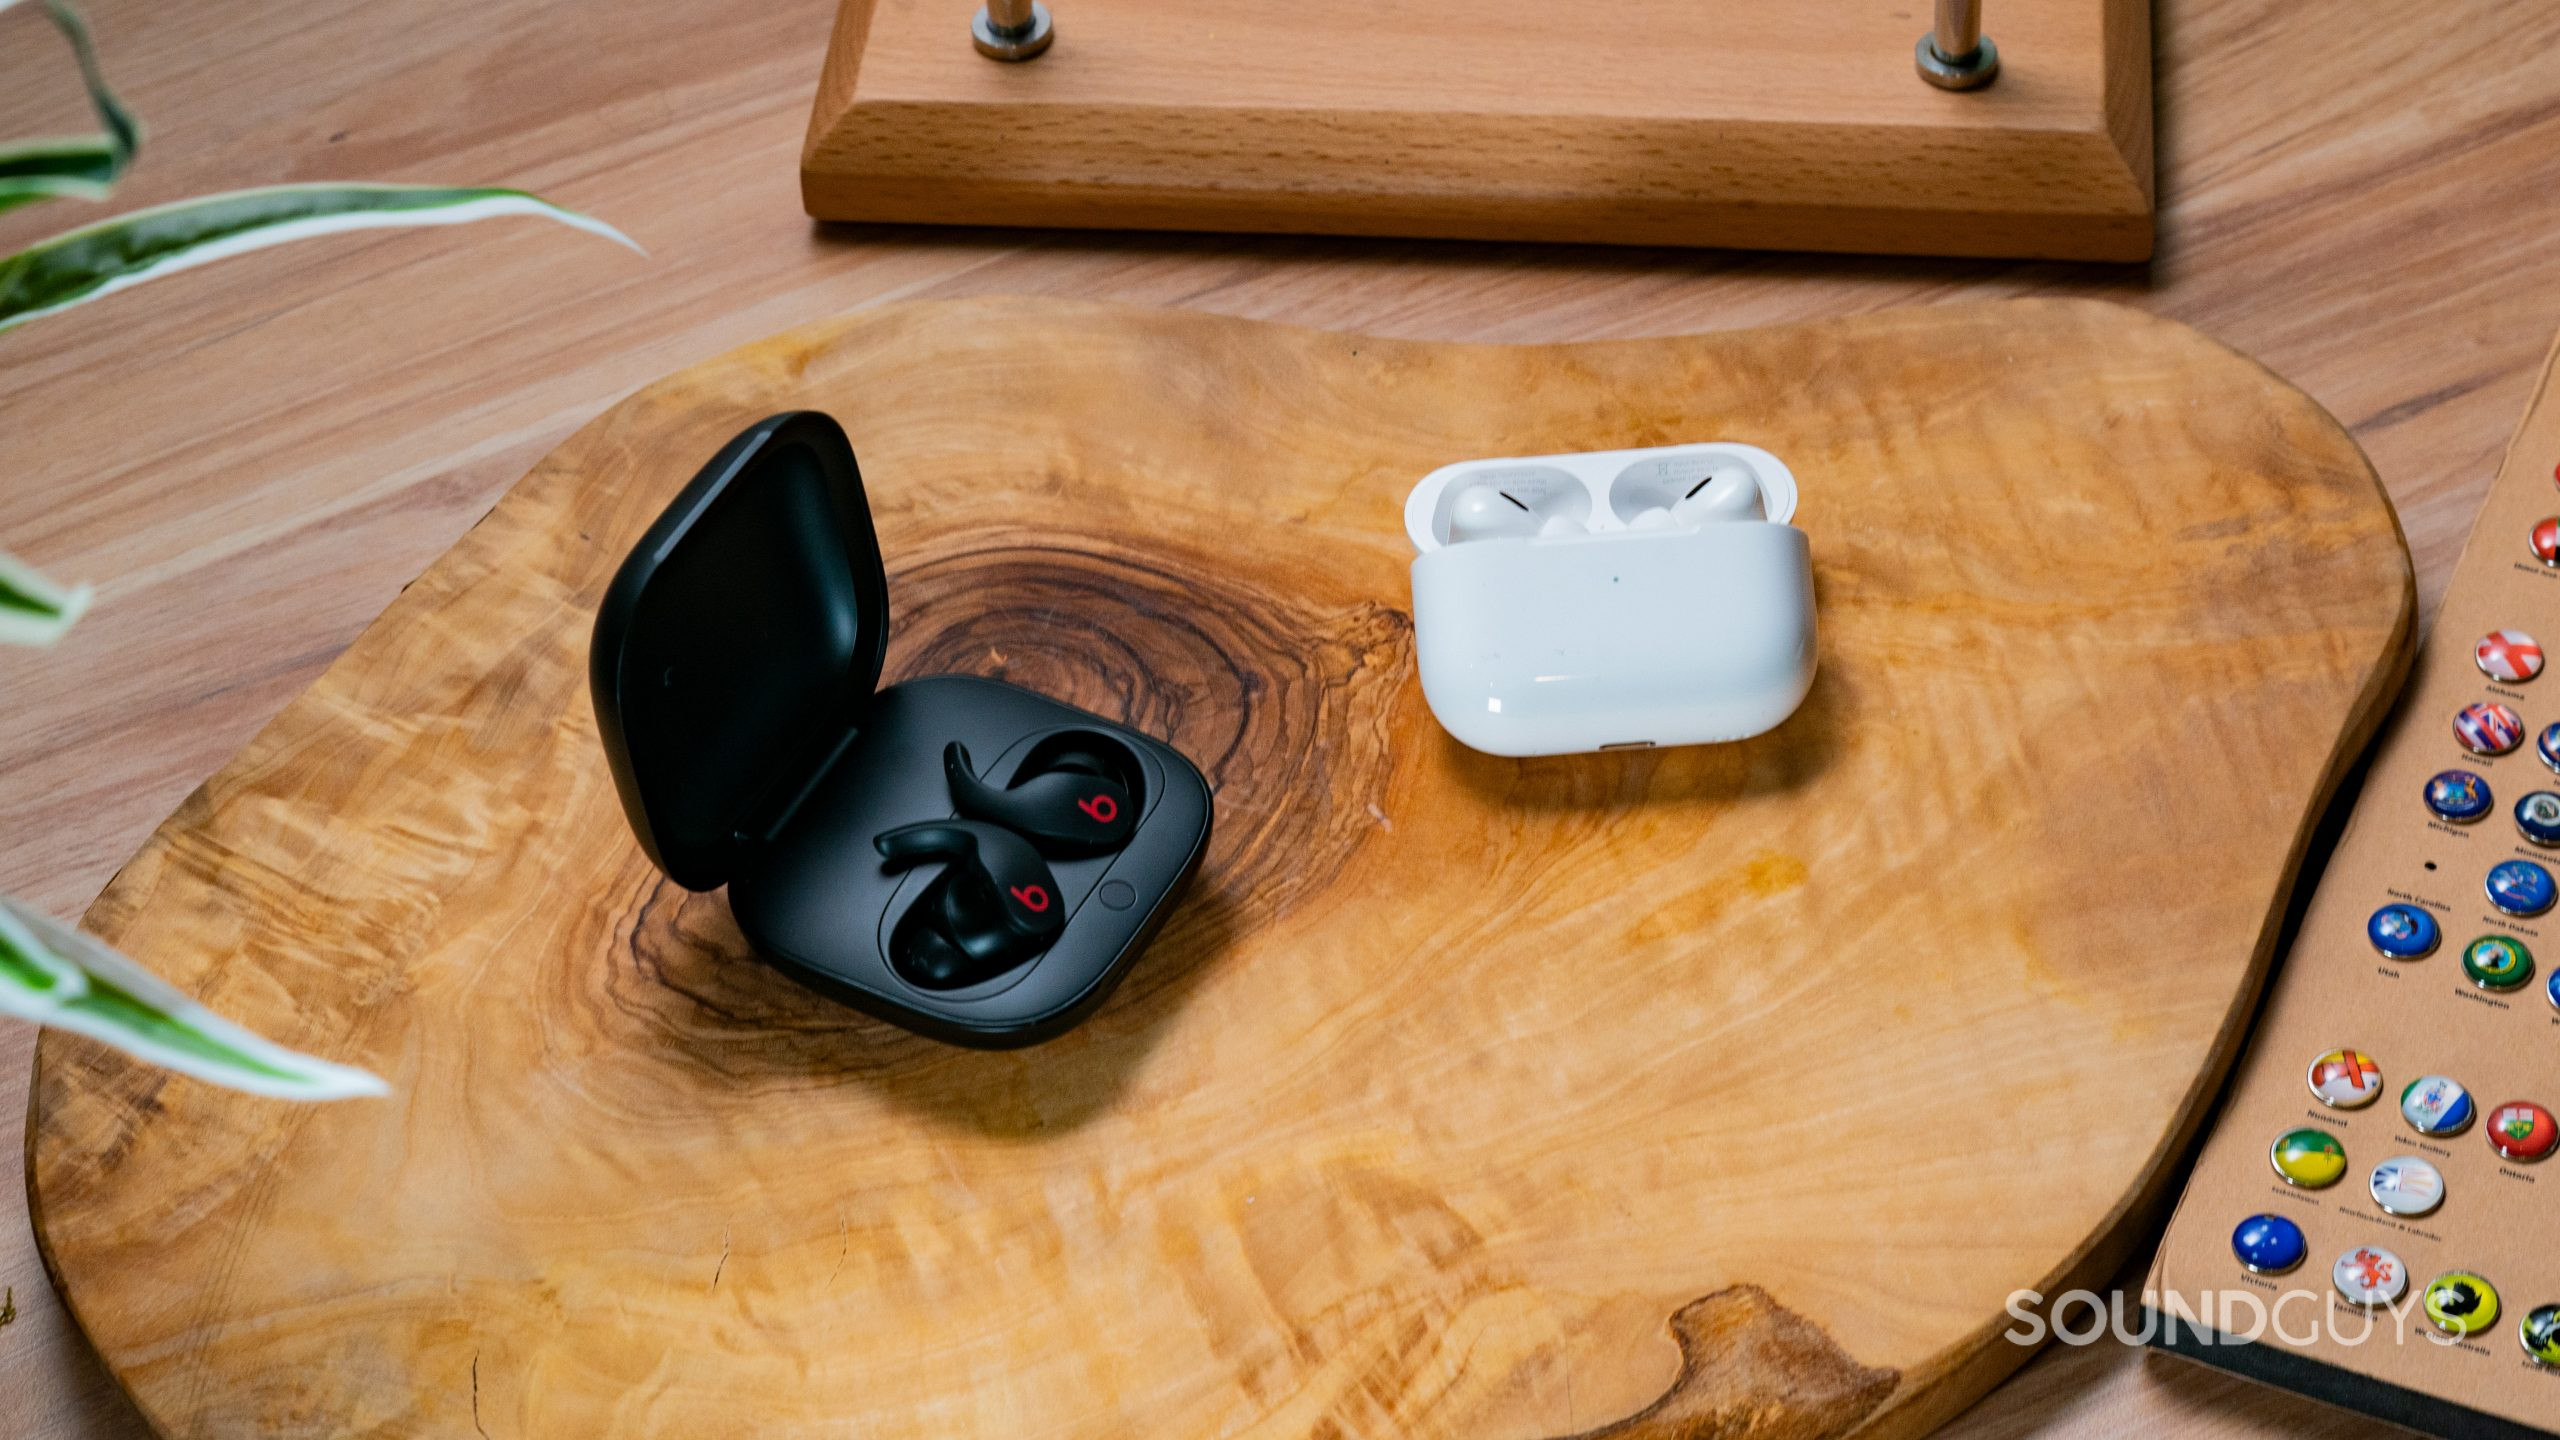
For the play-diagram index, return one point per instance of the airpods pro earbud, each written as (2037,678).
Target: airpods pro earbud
(1519,507)
(1727,492)
(1488,514)
(1071,804)
(997,904)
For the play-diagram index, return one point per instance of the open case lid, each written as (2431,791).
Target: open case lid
(739,644)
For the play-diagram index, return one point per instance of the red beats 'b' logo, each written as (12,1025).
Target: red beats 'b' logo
(1033,898)
(1102,808)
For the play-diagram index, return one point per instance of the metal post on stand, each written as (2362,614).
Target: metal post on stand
(1955,54)
(1012,29)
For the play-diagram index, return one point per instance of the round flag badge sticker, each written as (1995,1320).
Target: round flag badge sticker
(2370,1275)
(2509,655)
(2406,1185)
(2402,932)
(2268,1244)
(2497,962)
(2544,541)
(2538,818)
(2311,1159)
(2345,1079)
(2458,796)
(2519,887)
(2522,1130)
(2461,1303)
(2486,727)
(2541,1334)
(2436,1105)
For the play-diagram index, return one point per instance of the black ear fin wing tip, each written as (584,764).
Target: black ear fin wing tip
(925,840)
(1082,761)
(967,791)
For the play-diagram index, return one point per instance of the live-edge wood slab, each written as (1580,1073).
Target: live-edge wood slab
(1717,1091)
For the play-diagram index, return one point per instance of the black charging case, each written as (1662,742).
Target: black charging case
(733,668)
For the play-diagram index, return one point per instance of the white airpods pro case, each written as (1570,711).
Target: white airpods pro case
(1611,599)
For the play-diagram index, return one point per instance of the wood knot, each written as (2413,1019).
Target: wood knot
(1752,1369)
(1282,698)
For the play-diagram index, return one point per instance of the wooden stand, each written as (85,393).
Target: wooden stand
(1654,122)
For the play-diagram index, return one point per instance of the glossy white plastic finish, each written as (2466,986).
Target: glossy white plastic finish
(1617,636)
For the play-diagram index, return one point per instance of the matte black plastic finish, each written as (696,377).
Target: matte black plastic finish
(819,903)
(2345,1389)
(998,905)
(1069,806)
(739,642)
(733,669)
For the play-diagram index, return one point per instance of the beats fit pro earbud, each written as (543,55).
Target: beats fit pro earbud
(1611,599)
(1073,805)
(995,905)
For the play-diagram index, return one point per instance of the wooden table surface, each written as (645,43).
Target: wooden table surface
(252,459)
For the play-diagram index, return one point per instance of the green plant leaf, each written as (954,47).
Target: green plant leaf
(86,166)
(101,259)
(54,975)
(33,609)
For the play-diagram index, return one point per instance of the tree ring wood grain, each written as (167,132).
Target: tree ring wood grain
(1273,693)
(1722,1091)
